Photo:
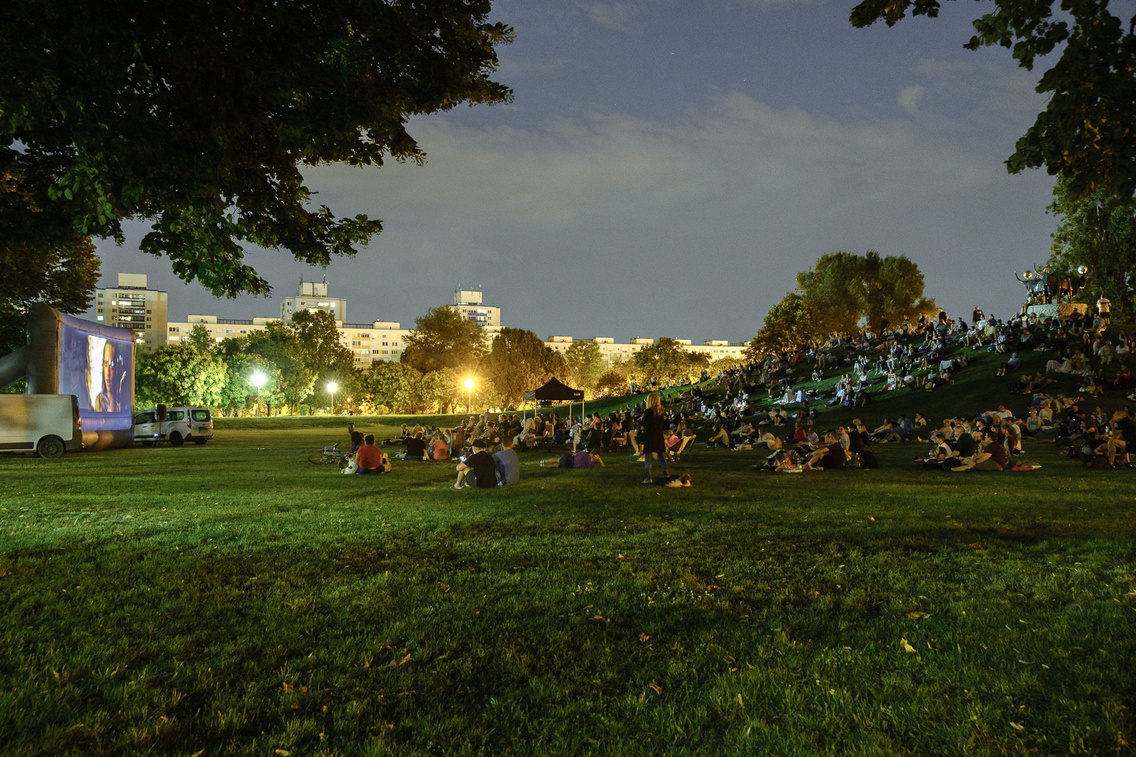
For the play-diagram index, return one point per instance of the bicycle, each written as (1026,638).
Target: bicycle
(329,455)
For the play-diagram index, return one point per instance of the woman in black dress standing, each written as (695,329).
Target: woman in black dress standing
(654,424)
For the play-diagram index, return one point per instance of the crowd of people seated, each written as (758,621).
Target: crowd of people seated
(847,370)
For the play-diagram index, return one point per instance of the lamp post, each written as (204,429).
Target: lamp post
(468,393)
(331,387)
(258,382)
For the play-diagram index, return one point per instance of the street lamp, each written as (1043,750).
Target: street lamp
(331,387)
(468,393)
(258,381)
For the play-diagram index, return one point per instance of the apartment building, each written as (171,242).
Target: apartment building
(132,305)
(143,310)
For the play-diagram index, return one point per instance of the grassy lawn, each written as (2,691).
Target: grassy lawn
(235,599)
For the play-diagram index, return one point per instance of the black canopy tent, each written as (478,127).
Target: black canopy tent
(555,389)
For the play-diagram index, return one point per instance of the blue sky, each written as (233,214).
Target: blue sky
(667,168)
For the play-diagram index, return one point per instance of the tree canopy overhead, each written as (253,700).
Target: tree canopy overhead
(1088,128)
(199,116)
(1099,233)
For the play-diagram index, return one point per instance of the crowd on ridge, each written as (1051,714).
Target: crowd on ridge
(922,355)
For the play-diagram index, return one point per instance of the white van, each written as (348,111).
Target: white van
(177,425)
(47,424)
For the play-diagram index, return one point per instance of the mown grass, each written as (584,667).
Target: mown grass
(234,599)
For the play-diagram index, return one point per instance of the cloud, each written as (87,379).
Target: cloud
(724,203)
(909,99)
(609,15)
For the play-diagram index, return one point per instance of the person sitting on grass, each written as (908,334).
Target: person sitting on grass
(415,447)
(719,437)
(830,456)
(581,459)
(370,459)
(993,456)
(440,447)
(687,434)
(356,438)
(1123,434)
(479,469)
(508,465)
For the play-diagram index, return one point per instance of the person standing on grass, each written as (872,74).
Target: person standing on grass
(654,425)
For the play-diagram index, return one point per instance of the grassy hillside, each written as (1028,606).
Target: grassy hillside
(235,599)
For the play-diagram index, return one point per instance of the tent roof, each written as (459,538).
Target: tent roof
(555,389)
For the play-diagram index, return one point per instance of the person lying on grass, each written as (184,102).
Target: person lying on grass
(479,469)
(581,459)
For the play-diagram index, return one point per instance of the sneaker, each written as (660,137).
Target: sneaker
(648,481)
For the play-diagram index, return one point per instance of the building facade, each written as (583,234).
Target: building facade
(143,310)
(132,305)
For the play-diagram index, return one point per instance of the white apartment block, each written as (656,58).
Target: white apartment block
(468,302)
(132,305)
(614,352)
(370,343)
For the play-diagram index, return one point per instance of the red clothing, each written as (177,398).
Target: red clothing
(997,453)
(369,457)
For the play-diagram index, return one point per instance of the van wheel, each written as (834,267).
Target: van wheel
(199,440)
(176,439)
(50,447)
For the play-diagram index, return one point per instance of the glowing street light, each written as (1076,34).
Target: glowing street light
(468,393)
(258,380)
(331,387)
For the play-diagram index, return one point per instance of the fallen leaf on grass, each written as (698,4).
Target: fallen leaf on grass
(655,687)
(906,647)
(405,659)
(976,545)
(283,752)
(622,558)
(917,615)
(644,637)
(1017,727)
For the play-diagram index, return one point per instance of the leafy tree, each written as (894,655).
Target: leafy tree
(667,360)
(199,338)
(441,390)
(200,116)
(586,364)
(392,385)
(240,393)
(443,339)
(179,374)
(41,263)
(612,381)
(277,346)
(319,347)
(793,321)
(1088,128)
(518,361)
(842,287)
(1098,232)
